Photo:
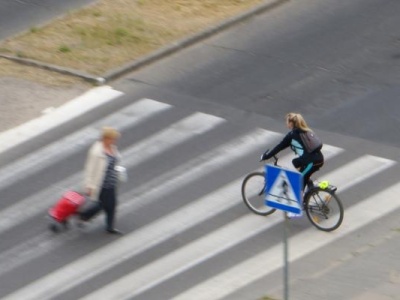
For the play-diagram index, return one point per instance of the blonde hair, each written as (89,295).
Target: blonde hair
(109,132)
(298,121)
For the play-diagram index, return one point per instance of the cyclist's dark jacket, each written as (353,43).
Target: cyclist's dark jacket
(293,140)
(307,163)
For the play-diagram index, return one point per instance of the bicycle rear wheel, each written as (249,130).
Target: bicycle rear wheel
(253,188)
(324,209)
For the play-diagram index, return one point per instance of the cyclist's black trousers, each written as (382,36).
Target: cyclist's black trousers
(307,164)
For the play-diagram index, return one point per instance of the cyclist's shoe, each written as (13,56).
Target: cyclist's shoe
(291,215)
(114,231)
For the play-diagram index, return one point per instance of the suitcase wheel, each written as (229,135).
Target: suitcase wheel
(54,228)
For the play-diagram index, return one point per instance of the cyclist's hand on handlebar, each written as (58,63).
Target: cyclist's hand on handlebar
(264,156)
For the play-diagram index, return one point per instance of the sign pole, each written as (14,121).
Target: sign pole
(284,192)
(285,257)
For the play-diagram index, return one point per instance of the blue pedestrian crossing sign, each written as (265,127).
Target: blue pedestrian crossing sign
(284,189)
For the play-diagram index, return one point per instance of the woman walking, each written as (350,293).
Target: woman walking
(101,178)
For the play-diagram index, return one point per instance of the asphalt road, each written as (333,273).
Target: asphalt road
(193,125)
(338,64)
(19,15)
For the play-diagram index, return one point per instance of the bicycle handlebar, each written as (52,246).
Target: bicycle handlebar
(274,157)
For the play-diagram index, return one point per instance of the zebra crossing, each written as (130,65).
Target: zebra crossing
(207,182)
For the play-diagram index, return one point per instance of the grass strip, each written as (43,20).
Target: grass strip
(108,34)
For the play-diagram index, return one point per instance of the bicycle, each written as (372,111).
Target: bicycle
(321,203)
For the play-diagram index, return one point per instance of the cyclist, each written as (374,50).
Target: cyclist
(306,163)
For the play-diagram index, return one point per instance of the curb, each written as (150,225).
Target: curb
(158,54)
(186,42)
(62,70)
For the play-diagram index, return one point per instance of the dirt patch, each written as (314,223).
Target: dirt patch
(23,100)
(108,34)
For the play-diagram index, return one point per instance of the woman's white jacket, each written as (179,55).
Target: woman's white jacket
(96,167)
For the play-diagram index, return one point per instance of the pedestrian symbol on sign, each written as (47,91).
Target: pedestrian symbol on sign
(283,189)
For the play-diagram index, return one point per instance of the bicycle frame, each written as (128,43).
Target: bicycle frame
(310,185)
(320,201)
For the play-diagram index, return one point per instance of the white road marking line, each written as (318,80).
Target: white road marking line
(72,109)
(185,258)
(196,124)
(143,195)
(214,243)
(126,247)
(130,116)
(376,172)
(171,136)
(199,167)
(130,245)
(179,132)
(301,244)
(358,170)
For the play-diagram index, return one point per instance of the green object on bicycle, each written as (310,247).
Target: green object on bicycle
(324,184)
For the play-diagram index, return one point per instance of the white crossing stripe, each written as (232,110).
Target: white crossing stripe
(158,143)
(139,153)
(301,244)
(132,115)
(358,170)
(185,258)
(161,230)
(148,193)
(72,109)
(198,251)
(132,244)
(196,124)
(199,167)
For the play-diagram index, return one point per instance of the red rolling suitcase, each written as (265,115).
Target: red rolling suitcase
(65,207)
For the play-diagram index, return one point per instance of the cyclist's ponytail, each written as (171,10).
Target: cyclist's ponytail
(298,121)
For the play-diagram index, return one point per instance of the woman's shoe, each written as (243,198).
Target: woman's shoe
(114,231)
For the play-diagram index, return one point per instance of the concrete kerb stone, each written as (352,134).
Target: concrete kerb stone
(54,68)
(159,54)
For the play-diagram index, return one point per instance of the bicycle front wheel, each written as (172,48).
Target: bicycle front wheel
(324,209)
(253,188)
